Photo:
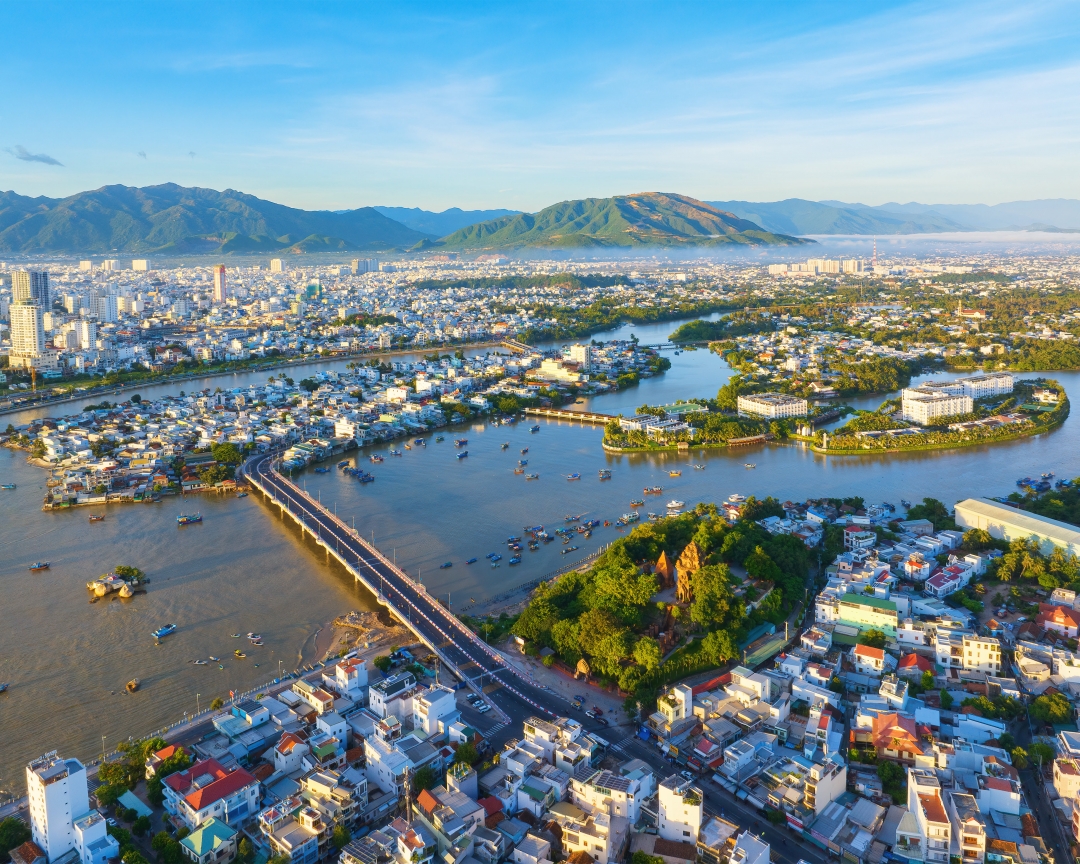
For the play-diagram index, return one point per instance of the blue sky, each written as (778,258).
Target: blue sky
(337,105)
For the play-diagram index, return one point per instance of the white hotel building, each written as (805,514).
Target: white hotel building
(935,399)
(772,406)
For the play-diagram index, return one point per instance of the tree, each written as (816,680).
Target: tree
(141,826)
(279,859)
(890,773)
(245,852)
(714,601)
(647,652)
(927,679)
(946,699)
(217,704)
(872,638)
(466,753)
(227,454)
(341,837)
(424,778)
(13,833)
(1041,753)
(933,510)
(382,663)
(1019,758)
(130,814)
(719,646)
(1054,709)
(133,856)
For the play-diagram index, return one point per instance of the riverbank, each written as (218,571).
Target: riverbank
(955,445)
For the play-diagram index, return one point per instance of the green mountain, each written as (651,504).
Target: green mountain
(171,218)
(440,224)
(646,219)
(799,216)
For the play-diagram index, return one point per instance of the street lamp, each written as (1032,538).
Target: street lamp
(102,749)
(198,709)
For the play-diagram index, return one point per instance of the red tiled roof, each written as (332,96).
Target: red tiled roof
(427,802)
(999,784)
(915,661)
(868,651)
(168,752)
(491,805)
(219,789)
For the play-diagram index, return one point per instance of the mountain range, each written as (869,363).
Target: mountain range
(799,216)
(440,224)
(644,219)
(176,219)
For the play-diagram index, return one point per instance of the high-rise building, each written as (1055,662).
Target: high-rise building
(140,264)
(27,333)
(106,308)
(276,266)
(582,355)
(86,265)
(221,289)
(31,286)
(60,816)
(110,264)
(87,333)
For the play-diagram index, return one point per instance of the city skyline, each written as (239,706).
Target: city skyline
(329,109)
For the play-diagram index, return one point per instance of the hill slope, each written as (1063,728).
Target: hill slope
(170,218)
(799,216)
(646,219)
(440,224)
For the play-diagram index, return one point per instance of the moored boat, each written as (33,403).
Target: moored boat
(462,454)
(162,632)
(95,518)
(675,504)
(674,473)
(460,442)
(534,428)
(446,565)
(736,498)
(38,566)
(605,473)
(574,476)
(532,476)
(188,519)
(132,685)
(7,485)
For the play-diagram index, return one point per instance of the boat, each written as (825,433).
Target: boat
(462,454)
(699,467)
(3,686)
(524,450)
(535,428)
(675,504)
(239,654)
(7,485)
(519,470)
(637,502)
(241,494)
(322,470)
(162,632)
(505,445)
(420,442)
(199,662)
(375,457)
(254,636)
(905,504)
(132,685)
(653,490)
(220,666)
(446,565)
(471,561)
(569,518)
(408,447)
(185,519)
(460,442)
(234,635)
(395,453)
(215,659)
(439,439)
(495,558)
(523,461)
(749,465)
(569,549)
(574,476)
(736,498)
(96,518)
(1046,475)
(38,566)
(532,476)
(674,473)
(510,540)
(342,463)
(605,473)
(515,560)
(494,565)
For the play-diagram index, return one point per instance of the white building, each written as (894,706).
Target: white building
(434,711)
(60,816)
(968,652)
(140,264)
(772,406)
(924,405)
(680,810)
(749,849)
(221,286)
(27,334)
(582,355)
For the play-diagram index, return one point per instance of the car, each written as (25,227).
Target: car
(601,720)
(483,709)
(686,775)
(1021,619)
(111,822)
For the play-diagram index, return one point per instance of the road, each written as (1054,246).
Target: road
(514,695)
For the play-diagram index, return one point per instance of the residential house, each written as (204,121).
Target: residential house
(213,842)
(207,790)
(681,810)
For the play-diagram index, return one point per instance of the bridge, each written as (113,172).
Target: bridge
(456,645)
(580,416)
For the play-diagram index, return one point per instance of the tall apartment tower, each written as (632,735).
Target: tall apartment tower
(276,266)
(31,286)
(221,289)
(57,791)
(27,332)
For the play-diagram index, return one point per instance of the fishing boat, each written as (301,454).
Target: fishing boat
(375,457)
(199,662)
(215,659)
(462,454)
(162,632)
(505,445)
(460,442)
(605,473)
(7,485)
(569,518)
(96,518)
(495,557)
(395,453)
(519,470)
(515,560)
(532,476)
(675,504)
(322,470)
(241,494)
(239,653)
(132,685)
(699,467)
(637,502)
(905,504)
(234,635)
(574,476)
(254,636)
(420,442)
(510,540)
(749,465)
(471,561)
(439,439)
(446,565)
(343,463)
(408,447)
(38,566)
(523,461)
(653,490)
(524,450)
(674,473)
(569,549)
(1046,475)
(186,519)
(3,686)
(736,498)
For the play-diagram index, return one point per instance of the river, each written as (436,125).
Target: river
(243,569)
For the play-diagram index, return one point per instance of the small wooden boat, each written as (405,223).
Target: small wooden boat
(3,686)
(7,485)
(674,473)
(239,653)
(133,685)
(38,566)
(95,518)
